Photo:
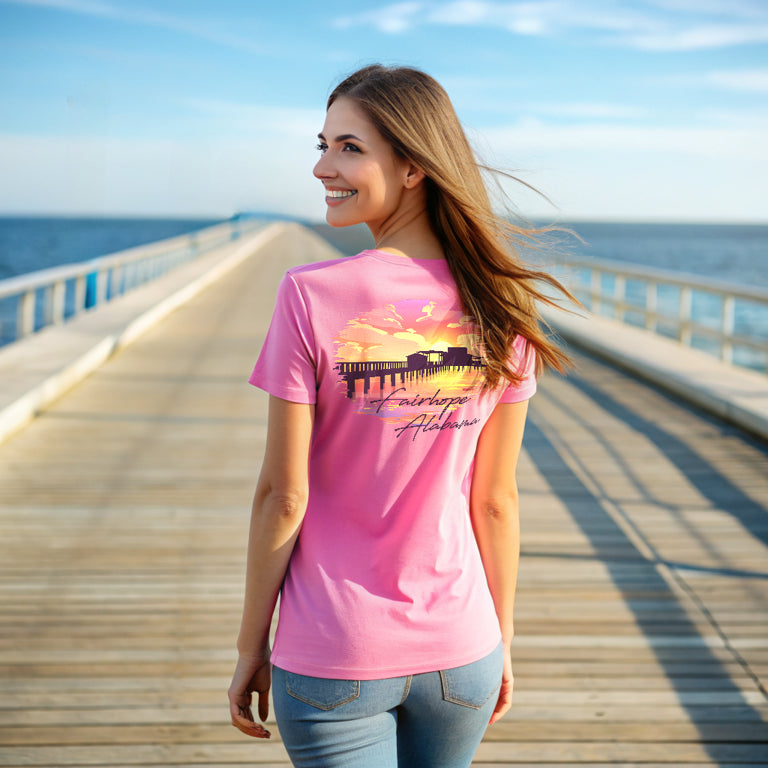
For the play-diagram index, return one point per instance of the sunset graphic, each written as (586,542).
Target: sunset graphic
(400,329)
(409,360)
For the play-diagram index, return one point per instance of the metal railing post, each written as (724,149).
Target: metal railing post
(595,290)
(727,328)
(79,294)
(25,318)
(619,296)
(102,278)
(684,334)
(651,305)
(57,302)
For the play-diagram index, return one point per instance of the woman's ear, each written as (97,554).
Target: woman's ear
(413,176)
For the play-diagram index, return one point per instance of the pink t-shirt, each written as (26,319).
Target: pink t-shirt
(386,578)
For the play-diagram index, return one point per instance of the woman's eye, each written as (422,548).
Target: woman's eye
(323,148)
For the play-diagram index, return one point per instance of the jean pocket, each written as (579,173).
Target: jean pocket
(320,692)
(473,684)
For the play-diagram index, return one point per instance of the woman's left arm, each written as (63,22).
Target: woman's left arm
(494,507)
(278,510)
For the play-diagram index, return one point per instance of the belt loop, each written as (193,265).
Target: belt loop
(406,690)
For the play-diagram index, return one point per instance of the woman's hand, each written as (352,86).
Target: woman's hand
(505,692)
(252,674)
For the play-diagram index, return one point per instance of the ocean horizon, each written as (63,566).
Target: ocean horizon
(726,251)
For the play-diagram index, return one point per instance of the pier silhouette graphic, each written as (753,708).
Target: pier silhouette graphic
(416,366)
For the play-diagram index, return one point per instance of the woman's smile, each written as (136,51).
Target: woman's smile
(338,196)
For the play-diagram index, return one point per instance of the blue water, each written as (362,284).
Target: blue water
(730,252)
(28,244)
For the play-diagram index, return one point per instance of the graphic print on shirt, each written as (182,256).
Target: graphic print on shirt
(412,364)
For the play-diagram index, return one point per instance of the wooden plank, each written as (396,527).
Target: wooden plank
(642,614)
(210,731)
(197,754)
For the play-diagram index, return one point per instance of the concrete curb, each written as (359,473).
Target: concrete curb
(36,371)
(736,395)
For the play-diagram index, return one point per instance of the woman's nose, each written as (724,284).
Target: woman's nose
(323,168)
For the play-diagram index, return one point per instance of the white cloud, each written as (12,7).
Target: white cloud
(734,80)
(584,110)
(543,17)
(461,12)
(655,25)
(731,9)
(532,135)
(392,19)
(755,118)
(748,81)
(125,13)
(520,18)
(92,7)
(699,38)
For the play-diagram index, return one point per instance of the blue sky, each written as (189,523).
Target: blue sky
(636,110)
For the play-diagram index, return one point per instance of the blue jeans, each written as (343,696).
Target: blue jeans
(431,720)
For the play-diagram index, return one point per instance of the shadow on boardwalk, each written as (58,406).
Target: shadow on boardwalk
(703,475)
(629,549)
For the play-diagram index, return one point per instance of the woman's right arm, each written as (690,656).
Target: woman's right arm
(495,519)
(278,510)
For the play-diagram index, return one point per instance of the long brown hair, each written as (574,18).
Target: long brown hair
(414,114)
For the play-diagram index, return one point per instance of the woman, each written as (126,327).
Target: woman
(386,512)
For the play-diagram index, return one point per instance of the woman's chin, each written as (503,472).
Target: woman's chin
(339,221)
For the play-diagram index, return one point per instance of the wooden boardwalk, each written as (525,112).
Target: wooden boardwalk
(643,604)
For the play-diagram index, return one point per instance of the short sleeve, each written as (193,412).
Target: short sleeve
(286,365)
(523,360)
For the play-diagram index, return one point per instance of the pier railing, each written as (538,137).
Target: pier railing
(35,300)
(728,320)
